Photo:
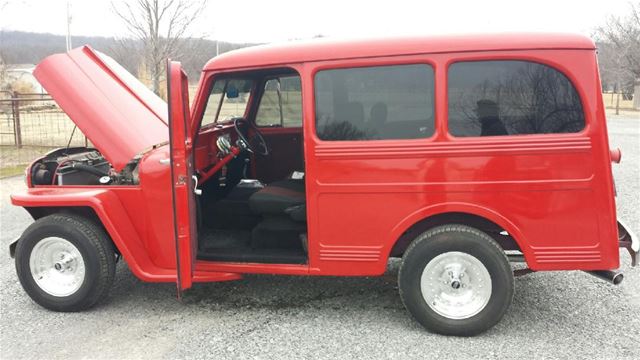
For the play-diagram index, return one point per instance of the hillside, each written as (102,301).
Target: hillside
(17,47)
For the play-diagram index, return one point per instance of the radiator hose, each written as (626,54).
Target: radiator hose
(89,169)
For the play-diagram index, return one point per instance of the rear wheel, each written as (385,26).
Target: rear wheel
(65,262)
(456,280)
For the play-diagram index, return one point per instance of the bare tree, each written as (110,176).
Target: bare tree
(161,26)
(619,54)
(129,53)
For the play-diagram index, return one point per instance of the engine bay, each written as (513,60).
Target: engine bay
(81,166)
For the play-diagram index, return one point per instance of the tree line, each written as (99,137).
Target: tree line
(17,47)
(619,53)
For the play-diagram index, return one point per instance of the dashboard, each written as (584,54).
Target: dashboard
(206,151)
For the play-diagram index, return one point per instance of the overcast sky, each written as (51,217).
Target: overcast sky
(277,20)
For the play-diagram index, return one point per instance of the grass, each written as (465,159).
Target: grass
(12,170)
(11,155)
(13,161)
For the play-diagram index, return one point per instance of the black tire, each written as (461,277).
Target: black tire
(93,244)
(464,239)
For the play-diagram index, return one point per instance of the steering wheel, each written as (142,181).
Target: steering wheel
(259,146)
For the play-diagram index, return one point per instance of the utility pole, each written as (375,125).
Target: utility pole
(215,33)
(68,26)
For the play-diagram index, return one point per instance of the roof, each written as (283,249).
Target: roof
(330,49)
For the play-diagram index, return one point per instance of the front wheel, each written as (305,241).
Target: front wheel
(456,280)
(65,262)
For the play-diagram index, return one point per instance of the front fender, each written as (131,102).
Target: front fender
(107,206)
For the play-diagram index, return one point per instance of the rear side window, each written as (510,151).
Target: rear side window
(494,98)
(374,103)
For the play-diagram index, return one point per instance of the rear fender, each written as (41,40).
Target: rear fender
(464,208)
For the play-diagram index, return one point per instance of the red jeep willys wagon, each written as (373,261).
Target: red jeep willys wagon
(457,154)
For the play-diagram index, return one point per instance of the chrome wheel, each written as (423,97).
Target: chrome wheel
(456,285)
(57,266)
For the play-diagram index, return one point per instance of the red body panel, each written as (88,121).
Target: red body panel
(182,170)
(552,193)
(121,119)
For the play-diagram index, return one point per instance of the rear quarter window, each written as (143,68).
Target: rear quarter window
(497,98)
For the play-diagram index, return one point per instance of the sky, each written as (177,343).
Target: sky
(281,20)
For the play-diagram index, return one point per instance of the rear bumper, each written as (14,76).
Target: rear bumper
(628,240)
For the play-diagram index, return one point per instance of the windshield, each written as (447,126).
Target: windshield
(228,99)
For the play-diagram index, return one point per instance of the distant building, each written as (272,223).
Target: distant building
(23,73)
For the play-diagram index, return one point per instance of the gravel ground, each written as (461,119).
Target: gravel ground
(554,314)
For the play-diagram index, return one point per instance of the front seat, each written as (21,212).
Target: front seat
(284,197)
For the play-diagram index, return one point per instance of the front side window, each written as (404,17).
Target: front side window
(496,98)
(281,103)
(375,103)
(228,99)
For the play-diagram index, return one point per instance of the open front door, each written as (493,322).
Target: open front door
(183,183)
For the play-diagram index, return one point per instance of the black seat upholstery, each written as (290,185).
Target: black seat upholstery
(284,197)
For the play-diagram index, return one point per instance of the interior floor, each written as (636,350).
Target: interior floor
(242,220)
(235,246)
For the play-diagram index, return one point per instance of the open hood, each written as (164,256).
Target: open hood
(120,115)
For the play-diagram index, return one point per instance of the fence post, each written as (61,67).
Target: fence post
(16,119)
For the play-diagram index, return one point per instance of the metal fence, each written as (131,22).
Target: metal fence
(35,120)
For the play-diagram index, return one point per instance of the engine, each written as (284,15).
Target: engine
(80,166)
